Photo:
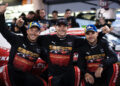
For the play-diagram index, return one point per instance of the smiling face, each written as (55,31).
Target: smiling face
(61,30)
(55,15)
(68,14)
(33,33)
(91,36)
(42,13)
(102,21)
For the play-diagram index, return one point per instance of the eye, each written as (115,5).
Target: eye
(93,32)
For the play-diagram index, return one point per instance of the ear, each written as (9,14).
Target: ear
(27,31)
(39,32)
(97,33)
(56,27)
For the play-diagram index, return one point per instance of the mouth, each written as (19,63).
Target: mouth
(33,36)
(91,39)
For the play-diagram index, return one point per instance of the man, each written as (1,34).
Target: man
(104,24)
(55,18)
(59,46)
(42,20)
(71,20)
(29,17)
(68,13)
(96,60)
(24,54)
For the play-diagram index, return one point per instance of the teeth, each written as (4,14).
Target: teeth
(32,36)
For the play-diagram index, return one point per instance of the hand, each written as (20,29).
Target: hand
(105,29)
(89,78)
(20,22)
(98,72)
(3,8)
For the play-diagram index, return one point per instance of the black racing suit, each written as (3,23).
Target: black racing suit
(91,57)
(22,58)
(60,62)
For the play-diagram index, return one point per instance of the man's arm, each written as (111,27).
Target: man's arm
(103,32)
(10,37)
(111,55)
(83,67)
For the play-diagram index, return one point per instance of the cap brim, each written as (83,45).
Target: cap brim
(90,31)
(62,23)
(35,26)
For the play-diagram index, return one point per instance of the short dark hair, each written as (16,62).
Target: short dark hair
(31,12)
(68,10)
(42,9)
(55,12)
(62,22)
(37,11)
(23,14)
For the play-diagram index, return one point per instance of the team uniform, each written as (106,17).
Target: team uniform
(92,57)
(21,67)
(60,62)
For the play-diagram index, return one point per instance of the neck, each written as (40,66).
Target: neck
(42,17)
(103,23)
(54,17)
(93,43)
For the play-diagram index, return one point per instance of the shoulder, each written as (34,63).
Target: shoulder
(73,37)
(104,42)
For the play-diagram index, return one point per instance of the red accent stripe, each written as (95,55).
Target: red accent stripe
(44,82)
(115,75)
(45,68)
(6,76)
(77,76)
(49,81)
(82,83)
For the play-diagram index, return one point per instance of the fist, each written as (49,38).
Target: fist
(98,72)
(89,78)
(20,22)
(106,29)
(3,8)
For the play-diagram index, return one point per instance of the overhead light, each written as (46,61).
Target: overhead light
(92,11)
(84,12)
(118,9)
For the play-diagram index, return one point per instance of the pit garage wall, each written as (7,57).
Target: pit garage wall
(77,6)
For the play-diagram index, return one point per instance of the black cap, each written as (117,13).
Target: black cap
(62,22)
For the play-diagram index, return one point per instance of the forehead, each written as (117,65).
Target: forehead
(42,11)
(34,28)
(90,32)
(68,11)
(54,13)
(61,25)
(101,19)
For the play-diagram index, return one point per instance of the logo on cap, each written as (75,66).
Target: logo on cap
(62,22)
(34,24)
(91,28)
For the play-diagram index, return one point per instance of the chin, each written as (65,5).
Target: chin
(91,41)
(33,39)
(63,35)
